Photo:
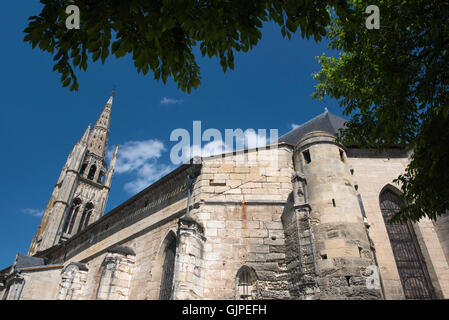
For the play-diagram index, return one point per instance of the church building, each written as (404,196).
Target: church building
(302,218)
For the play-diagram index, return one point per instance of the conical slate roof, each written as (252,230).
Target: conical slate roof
(326,121)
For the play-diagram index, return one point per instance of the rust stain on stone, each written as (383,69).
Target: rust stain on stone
(244,217)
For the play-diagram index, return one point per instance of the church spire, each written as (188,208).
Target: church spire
(98,138)
(85,137)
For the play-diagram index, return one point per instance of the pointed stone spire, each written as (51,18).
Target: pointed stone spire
(98,138)
(85,136)
(110,172)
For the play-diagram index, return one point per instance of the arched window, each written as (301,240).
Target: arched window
(246,284)
(107,275)
(71,217)
(100,176)
(412,270)
(83,168)
(115,274)
(92,170)
(168,269)
(87,213)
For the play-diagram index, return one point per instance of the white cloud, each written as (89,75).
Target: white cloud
(132,155)
(146,175)
(249,139)
(167,101)
(140,158)
(253,139)
(33,212)
(294,126)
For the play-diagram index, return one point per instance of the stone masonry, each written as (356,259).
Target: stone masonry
(297,219)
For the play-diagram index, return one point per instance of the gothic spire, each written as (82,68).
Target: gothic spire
(85,136)
(98,138)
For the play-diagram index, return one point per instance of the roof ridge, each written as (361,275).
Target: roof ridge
(303,124)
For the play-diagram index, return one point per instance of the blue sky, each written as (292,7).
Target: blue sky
(40,121)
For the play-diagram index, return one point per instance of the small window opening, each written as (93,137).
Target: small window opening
(306,155)
(342,156)
(348,280)
(92,171)
(324,256)
(245,284)
(333,202)
(352,171)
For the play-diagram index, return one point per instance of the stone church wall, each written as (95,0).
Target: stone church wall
(42,285)
(373,173)
(244,220)
(244,196)
(442,227)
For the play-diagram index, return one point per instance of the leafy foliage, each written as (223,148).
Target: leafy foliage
(394,82)
(161,34)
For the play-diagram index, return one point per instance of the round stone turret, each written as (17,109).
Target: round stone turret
(344,260)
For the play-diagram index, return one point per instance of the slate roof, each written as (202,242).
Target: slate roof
(24,261)
(326,121)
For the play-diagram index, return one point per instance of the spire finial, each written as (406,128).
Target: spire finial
(112,95)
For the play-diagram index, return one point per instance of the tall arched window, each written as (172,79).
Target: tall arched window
(83,168)
(412,270)
(71,217)
(246,284)
(92,170)
(168,270)
(100,176)
(85,217)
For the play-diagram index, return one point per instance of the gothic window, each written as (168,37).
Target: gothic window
(107,274)
(116,274)
(412,270)
(73,279)
(71,217)
(168,270)
(92,170)
(83,168)
(85,217)
(14,289)
(246,284)
(100,176)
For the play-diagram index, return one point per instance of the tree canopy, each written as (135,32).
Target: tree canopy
(394,83)
(161,34)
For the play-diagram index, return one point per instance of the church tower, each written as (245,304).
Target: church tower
(79,198)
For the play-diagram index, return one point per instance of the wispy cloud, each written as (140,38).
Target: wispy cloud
(294,126)
(167,101)
(146,175)
(249,139)
(33,212)
(140,158)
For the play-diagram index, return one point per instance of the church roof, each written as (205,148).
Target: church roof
(326,121)
(25,261)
